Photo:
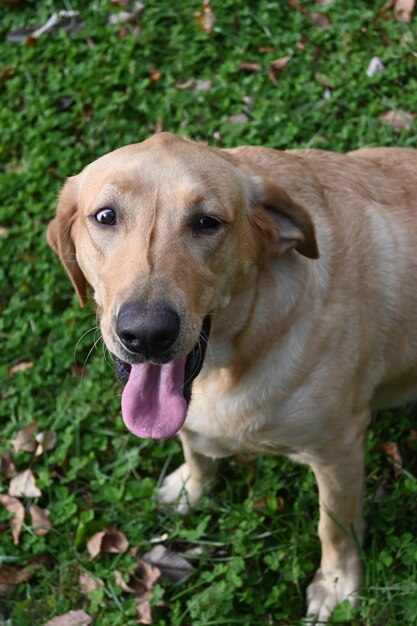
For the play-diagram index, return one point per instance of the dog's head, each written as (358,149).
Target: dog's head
(167,232)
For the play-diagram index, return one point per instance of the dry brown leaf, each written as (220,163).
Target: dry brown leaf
(107,540)
(72,618)
(149,573)
(154,75)
(277,66)
(46,441)
(120,582)
(24,485)
(144,611)
(16,508)
(120,3)
(321,20)
(88,582)
(40,522)
(187,84)
(25,438)
(248,66)
(20,367)
(301,44)
(403,10)
(140,583)
(170,563)
(11,575)
(399,120)
(296,6)
(205,18)
(239,118)
(7,467)
(390,449)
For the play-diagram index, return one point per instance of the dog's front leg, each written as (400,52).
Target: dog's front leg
(340,478)
(185,486)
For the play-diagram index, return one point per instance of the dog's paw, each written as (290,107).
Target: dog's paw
(327,591)
(180,489)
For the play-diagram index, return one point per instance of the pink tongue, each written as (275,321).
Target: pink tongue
(153,404)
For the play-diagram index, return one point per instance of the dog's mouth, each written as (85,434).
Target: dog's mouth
(156,397)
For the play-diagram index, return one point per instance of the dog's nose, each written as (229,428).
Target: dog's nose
(147,331)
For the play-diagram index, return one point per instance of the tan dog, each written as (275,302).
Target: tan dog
(304,263)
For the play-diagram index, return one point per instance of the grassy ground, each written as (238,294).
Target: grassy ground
(65,100)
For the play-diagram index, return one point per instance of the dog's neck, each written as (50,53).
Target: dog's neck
(259,314)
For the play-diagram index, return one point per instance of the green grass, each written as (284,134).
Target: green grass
(64,102)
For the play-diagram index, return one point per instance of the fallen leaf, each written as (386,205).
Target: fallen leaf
(391,450)
(72,618)
(24,485)
(63,19)
(277,66)
(301,44)
(20,367)
(88,583)
(239,118)
(399,120)
(141,580)
(128,17)
(185,85)
(120,582)
(205,17)
(40,521)
(45,441)
(202,85)
(149,573)
(11,575)
(140,583)
(403,10)
(375,67)
(266,49)
(171,564)
(296,6)
(144,611)
(108,540)
(16,508)
(154,75)
(7,467)
(321,20)
(248,66)
(25,438)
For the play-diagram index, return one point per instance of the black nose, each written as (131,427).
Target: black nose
(147,331)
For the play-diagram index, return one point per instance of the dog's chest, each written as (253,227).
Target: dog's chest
(250,417)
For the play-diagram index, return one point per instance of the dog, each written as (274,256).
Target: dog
(287,277)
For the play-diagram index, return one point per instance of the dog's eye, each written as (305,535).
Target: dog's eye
(106,216)
(205,224)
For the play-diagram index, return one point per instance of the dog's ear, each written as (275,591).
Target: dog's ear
(285,223)
(58,236)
